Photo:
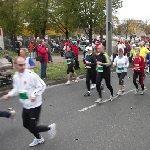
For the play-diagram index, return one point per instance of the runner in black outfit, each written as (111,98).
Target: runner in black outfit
(91,70)
(69,56)
(103,68)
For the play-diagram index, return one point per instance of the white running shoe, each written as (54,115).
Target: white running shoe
(99,100)
(119,92)
(77,79)
(136,91)
(111,98)
(68,82)
(36,142)
(142,92)
(13,114)
(52,131)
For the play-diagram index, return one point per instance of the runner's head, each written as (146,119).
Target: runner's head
(24,52)
(120,52)
(137,51)
(141,44)
(19,63)
(68,48)
(90,50)
(100,48)
(133,46)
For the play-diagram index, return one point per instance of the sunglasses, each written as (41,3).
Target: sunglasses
(20,65)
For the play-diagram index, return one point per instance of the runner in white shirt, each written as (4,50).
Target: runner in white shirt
(121,62)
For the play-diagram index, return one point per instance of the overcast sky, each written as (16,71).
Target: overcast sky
(135,9)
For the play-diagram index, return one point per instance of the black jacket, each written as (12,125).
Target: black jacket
(104,58)
(91,65)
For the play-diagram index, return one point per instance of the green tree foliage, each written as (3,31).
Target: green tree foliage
(88,15)
(10,18)
(38,15)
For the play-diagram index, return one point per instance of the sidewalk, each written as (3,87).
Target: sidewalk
(57,59)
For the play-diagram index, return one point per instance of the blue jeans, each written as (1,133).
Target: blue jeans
(32,55)
(43,70)
(5,114)
(50,57)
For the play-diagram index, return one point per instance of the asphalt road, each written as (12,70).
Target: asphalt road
(81,125)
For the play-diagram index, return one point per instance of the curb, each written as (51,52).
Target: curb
(48,83)
(51,83)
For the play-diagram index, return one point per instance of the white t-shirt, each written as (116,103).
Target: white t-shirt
(121,64)
(29,62)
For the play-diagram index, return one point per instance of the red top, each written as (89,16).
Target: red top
(75,49)
(42,51)
(31,46)
(138,62)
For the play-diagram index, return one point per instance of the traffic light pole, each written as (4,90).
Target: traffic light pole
(109,27)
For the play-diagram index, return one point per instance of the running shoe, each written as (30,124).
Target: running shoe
(77,79)
(52,131)
(87,94)
(136,91)
(68,82)
(13,114)
(142,92)
(99,100)
(111,97)
(36,142)
(119,92)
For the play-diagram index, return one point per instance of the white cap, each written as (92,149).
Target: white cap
(134,45)
(89,48)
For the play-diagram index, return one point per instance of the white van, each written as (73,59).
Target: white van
(1,39)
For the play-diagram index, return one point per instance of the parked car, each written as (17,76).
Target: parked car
(82,45)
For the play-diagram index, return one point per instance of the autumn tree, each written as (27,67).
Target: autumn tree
(11,21)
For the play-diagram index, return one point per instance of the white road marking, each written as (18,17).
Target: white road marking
(104,101)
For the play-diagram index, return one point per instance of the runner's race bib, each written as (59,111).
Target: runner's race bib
(100,68)
(23,95)
(121,69)
(68,61)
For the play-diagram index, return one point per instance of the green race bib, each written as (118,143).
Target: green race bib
(69,61)
(100,68)
(121,69)
(23,96)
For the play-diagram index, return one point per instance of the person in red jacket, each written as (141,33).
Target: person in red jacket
(43,52)
(138,67)
(32,49)
(75,49)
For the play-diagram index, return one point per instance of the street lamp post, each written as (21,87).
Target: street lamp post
(109,27)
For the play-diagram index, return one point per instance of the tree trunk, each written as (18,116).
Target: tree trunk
(43,33)
(90,35)
(36,34)
(67,34)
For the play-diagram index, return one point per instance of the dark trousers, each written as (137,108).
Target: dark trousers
(90,75)
(5,114)
(106,76)
(18,52)
(43,70)
(135,76)
(30,119)
(76,63)
(121,77)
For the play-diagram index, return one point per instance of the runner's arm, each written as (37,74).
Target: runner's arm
(108,63)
